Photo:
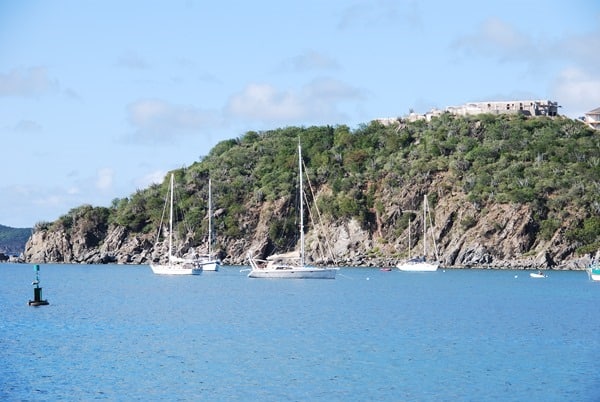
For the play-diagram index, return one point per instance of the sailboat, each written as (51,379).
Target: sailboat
(207,261)
(175,265)
(291,265)
(419,264)
(594,271)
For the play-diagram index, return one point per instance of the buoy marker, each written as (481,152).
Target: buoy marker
(37,290)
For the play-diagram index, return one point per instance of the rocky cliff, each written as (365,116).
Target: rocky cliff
(493,236)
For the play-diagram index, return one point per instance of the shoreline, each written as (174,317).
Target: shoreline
(488,267)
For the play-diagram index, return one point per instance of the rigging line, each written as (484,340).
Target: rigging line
(310,214)
(437,257)
(319,222)
(322,226)
(162,218)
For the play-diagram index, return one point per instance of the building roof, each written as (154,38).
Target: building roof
(595,111)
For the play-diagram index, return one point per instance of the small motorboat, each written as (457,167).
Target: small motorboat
(385,269)
(538,275)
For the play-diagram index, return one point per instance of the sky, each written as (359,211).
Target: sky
(99,99)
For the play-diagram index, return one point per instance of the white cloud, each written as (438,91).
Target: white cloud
(104,179)
(71,94)
(31,81)
(502,35)
(373,14)
(28,126)
(498,39)
(49,201)
(157,120)
(317,101)
(309,61)
(265,102)
(581,49)
(568,60)
(155,177)
(331,90)
(133,61)
(579,90)
(495,37)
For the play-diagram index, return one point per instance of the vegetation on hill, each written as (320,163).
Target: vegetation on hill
(12,240)
(550,164)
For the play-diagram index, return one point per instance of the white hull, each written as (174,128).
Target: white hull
(294,273)
(417,267)
(277,270)
(537,276)
(175,270)
(594,274)
(210,265)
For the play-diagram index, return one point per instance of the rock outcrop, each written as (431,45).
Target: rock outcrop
(496,236)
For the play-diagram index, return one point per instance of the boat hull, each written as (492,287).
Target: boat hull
(417,267)
(175,270)
(537,276)
(294,273)
(594,274)
(210,265)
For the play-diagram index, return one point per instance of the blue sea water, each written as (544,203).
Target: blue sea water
(122,333)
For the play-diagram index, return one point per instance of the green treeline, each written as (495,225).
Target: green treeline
(12,240)
(552,164)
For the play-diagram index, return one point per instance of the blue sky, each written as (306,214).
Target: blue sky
(101,98)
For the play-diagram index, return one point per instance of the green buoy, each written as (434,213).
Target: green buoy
(37,290)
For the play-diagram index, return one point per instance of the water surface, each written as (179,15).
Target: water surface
(120,332)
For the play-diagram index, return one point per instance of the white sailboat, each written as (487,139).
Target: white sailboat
(174,265)
(290,265)
(594,271)
(207,261)
(419,264)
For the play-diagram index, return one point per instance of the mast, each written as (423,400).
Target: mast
(425,226)
(409,229)
(171,223)
(209,219)
(301,206)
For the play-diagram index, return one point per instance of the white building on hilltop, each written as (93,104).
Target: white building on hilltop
(592,118)
(526,107)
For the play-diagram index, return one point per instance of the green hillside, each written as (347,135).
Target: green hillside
(13,240)
(550,164)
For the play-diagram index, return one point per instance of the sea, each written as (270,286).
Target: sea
(121,333)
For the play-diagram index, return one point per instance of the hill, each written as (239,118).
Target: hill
(505,191)
(13,240)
